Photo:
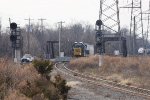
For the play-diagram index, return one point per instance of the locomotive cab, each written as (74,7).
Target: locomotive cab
(78,49)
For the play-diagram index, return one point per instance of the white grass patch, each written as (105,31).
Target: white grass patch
(73,84)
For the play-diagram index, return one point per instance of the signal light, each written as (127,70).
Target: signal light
(13,26)
(13,38)
(99,23)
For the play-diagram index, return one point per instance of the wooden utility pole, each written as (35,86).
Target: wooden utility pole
(28,35)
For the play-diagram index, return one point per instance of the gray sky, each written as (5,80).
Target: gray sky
(70,11)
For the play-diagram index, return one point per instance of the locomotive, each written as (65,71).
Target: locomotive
(79,49)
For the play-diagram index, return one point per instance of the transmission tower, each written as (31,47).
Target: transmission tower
(109,15)
(148,26)
(136,25)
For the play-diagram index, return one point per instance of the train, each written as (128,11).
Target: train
(80,49)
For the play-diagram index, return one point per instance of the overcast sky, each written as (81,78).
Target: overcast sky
(85,11)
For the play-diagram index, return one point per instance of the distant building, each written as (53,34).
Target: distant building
(89,49)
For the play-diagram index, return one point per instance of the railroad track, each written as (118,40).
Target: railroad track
(103,82)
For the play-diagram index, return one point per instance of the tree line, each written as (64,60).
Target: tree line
(71,33)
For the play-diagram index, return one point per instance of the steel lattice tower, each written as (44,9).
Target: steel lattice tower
(147,13)
(136,25)
(109,14)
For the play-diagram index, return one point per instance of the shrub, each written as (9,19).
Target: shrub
(60,84)
(48,89)
(23,82)
(44,67)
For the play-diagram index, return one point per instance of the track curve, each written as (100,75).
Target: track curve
(103,82)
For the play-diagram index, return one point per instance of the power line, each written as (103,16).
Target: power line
(28,37)
(136,24)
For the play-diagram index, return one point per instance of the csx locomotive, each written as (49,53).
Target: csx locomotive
(79,49)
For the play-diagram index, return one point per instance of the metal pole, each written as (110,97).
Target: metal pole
(59,41)
(131,48)
(100,29)
(147,36)
(134,38)
(60,31)
(0,27)
(118,21)
(142,22)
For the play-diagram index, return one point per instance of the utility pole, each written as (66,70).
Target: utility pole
(118,22)
(147,34)
(60,32)
(134,38)
(9,20)
(136,13)
(41,33)
(101,50)
(148,28)
(42,26)
(28,35)
(0,27)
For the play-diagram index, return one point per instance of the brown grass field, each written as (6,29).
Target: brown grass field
(12,78)
(24,82)
(133,71)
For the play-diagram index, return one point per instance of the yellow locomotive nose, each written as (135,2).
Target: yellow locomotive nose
(77,51)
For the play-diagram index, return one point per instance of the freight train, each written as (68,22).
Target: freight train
(79,49)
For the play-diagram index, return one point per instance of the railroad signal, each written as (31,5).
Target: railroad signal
(13,26)
(13,38)
(99,23)
(16,39)
(98,37)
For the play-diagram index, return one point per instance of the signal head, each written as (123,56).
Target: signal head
(13,26)
(13,38)
(99,23)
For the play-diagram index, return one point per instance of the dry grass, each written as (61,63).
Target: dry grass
(84,63)
(15,95)
(129,71)
(13,77)
(23,82)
